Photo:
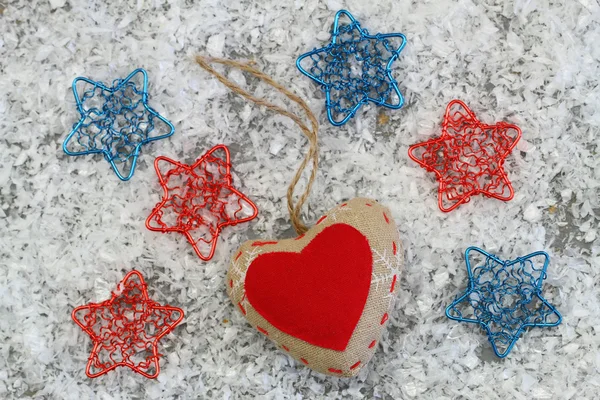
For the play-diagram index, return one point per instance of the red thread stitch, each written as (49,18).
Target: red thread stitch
(304,361)
(344,205)
(321,219)
(261,330)
(242,308)
(335,371)
(259,243)
(385,318)
(369,205)
(238,256)
(372,344)
(394,248)
(301,236)
(355,365)
(386,218)
(231,283)
(393,284)
(285,347)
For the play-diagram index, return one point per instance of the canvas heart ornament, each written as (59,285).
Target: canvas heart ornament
(323,297)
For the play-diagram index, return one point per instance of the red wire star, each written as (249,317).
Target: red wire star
(199,201)
(126,329)
(468,158)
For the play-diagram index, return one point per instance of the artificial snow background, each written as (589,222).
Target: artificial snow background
(71,230)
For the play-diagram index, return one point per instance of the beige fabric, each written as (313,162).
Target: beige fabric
(369,218)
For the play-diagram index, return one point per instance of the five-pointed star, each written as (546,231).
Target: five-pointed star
(504,297)
(354,69)
(126,329)
(199,200)
(468,158)
(116,121)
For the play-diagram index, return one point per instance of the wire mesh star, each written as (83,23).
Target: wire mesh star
(116,121)
(199,201)
(354,69)
(468,158)
(125,329)
(505,297)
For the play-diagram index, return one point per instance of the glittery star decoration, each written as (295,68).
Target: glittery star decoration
(354,69)
(125,329)
(199,200)
(468,158)
(504,297)
(116,121)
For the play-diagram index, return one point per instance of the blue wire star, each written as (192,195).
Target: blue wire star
(354,69)
(505,298)
(115,121)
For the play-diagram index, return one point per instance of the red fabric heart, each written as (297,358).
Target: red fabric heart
(317,295)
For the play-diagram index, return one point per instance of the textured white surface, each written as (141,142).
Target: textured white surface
(70,230)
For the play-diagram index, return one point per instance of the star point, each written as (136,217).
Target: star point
(125,329)
(354,69)
(468,157)
(116,121)
(504,297)
(199,200)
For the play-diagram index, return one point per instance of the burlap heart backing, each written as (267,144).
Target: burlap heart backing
(376,224)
